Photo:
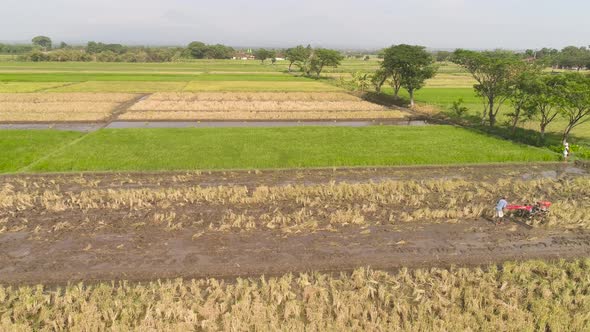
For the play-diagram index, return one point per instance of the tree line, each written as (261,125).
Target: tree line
(534,93)
(570,57)
(503,77)
(307,59)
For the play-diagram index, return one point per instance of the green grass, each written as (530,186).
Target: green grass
(194,65)
(149,87)
(259,148)
(19,148)
(157,77)
(134,87)
(15,87)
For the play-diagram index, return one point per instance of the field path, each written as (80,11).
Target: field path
(145,255)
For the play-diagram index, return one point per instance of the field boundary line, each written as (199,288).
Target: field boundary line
(116,112)
(123,108)
(34,163)
(184,87)
(57,87)
(329,168)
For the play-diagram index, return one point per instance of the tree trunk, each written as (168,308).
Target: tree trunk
(566,133)
(491,113)
(411,91)
(396,91)
(515,120)
(542,132)
(320,68)
(291,64)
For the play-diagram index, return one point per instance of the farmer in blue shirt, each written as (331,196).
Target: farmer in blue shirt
(502,203)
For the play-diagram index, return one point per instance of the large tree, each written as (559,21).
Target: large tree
(43,42)
(544,103)
(495,73)
(219,51)
(197,50)
(523,91)
(298,56)
(575,99)
(410,67)
(323,57)
(573,57)
(379,78)
(263,54)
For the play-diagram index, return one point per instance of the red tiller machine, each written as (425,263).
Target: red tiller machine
(530,211)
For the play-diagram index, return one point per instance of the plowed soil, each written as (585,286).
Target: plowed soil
(54,246)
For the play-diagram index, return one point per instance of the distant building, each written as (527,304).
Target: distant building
(243,56)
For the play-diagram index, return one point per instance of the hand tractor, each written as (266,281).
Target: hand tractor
(528,212)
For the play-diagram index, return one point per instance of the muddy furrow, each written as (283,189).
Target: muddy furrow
(144,255)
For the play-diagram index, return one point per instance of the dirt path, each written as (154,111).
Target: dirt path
(146,256)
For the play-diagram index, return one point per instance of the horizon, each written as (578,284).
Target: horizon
(56,42)
(436,24)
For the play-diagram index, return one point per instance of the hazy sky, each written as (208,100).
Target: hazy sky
(331,23)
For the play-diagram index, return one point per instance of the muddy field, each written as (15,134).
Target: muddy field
(69,227)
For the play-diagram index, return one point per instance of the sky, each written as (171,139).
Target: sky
(438,24)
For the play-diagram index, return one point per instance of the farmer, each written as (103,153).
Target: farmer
(566,150)
(500,206)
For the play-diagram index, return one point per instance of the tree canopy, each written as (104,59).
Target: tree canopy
(199,50)
(410,65)
(42,41)
(298,55)
(495,73)
(575,98)
(263,54)
(323,57)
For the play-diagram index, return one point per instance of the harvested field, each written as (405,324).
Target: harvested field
(259,115)
(257,106)
(253,96)
(258,86)
(46,107)
(530,296)
(300,207)
(89,227)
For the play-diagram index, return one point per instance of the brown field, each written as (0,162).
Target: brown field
(260,106)
(93,251)
(529,296)
(144,226)
(257,106)
(256,115)
(42,107)
(253,96)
